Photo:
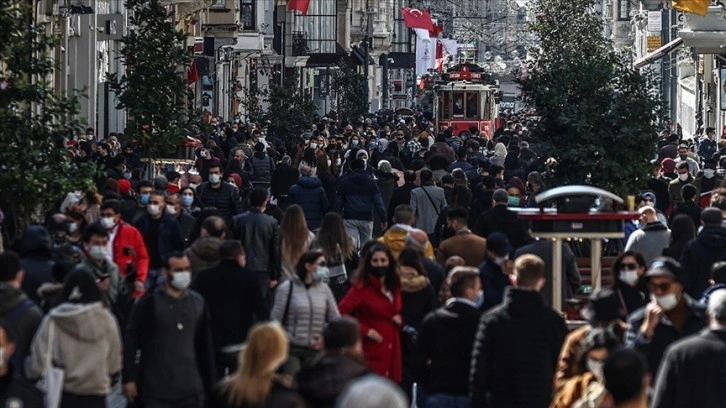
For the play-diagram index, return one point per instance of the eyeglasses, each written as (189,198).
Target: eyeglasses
(630,266)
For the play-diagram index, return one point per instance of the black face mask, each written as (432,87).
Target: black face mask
(379,271)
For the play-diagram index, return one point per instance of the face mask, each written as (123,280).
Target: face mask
(215,178)
(329,162)
(98,253)
(181,280)
(379,271)
(72,227)
(187,201)
(108,222)
(194,186)
(595,367)
(480,299)
(153,210)
(321,274)
(683,156)
(171,210)
(666,302)
(354,142)
(337,161)
(203,154)
(313,145)
(683,177)
(709,173)
(127,175)
(500,260)
(144,199)
(514,201)
(629,277)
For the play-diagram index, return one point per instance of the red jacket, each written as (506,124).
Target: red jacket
(127,236)
(374,310)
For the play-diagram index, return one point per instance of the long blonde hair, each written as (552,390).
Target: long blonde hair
(294,234)
(265,350)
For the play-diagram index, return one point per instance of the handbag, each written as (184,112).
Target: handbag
(51,383)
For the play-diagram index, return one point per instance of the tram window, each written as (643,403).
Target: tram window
(445,105)
(472,105)
(458,105)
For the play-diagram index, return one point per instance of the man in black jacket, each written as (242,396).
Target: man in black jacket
(693,368)
(517,344)
(446,337)
(283,178)
(402,195)
(235,303)
(218,194)
(702,252)
(502,219)
(260,236)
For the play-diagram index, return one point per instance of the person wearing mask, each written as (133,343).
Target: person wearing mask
(501,219)
(707,145)
(170,326)
(446,337)
(162,235)
(701,253)
(693,167)
(308,193)
(15,391)
(358,196)
(262,167)
(494,271)
(218,194)
(627,378)
(630,267)
(303,305)
(688,206)
(175,208)
(204,162)
(692,367)
(517,343)
(282,179)
(81,336)
(651,238)
(21,316)
(669,316)
(98,262)
(189,200)
(203,253)
(341,363)
(708,180)
(144,189)
(126,245)
(676,185)
(260,236)
(472,248)
(232,294)
(36,260)
(375,300)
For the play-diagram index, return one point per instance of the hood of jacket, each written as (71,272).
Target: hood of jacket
(655,226)
(713,237)
(36,239)
(462,312)
(309,182)
(260,155)
(411,281)
(359,177)
(79,320)
(10,297)
(206,248)
(395,237)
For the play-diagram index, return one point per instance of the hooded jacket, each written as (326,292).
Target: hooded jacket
(357,196)
(493,283)
(698,257)
(417,296)
(308,193)
(36,260)
(649,241)
(204,253)
(395,239)
(24,323)
(87,346)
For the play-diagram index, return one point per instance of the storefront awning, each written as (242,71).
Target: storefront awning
(659,53)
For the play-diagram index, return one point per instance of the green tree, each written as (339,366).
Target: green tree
(35,168)
(350,88)
(291,110)
(153,91)
(597,114)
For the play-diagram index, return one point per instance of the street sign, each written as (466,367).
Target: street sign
(655,21)
(654,42)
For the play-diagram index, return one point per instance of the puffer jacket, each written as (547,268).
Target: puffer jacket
(310,309)
(87,346)
(395,240)
(204,253)
(700,254)
(262,167)
(308,193)
(417,296)
(357,196)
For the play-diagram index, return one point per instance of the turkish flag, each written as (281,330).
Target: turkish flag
(192,73)
(299,5)
(415,18)
(699,7)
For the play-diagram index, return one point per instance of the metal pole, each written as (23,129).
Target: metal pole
(284,51)
(384,97)
(369,29)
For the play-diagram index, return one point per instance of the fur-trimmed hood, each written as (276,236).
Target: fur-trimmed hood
(411,281)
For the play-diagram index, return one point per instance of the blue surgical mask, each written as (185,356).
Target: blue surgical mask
(321,274)
(187,201)
(144,199)
(514,201)
(480,300)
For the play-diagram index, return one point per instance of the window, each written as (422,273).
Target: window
(444,106)
(472,105)
(624,10)
(458,104)
(247,14)
(321,26)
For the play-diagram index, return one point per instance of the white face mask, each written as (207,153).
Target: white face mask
(194,186)
(98,253)
(203,154)
(108,222)
(181,280)
(629,277)
(683,177)
(666,302)
(329,162)
(171,210)
(313,145)
(500,260)
(215,178)
(709,173)
(337,161)
(596,368)
(72,227)
(153,209)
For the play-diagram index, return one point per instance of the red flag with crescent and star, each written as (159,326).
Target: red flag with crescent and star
(299,5)
(415,18)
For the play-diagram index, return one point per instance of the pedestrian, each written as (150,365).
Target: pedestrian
(501,219)
(688,205)
(692,368)
(218,194)
(36,260)
(494,271)
(676,185)
(402,194)
(418,239)
(295,238)
(652,238)
(717,281)
(700,254)
(339,251)
(203,253)
(517,343)
(83,338)
(375,300)
(303,305)
(262,167)
(308,193)
(98,263)
(627,379)
(15,391)
(387,182)
(683,231)
(358,196)
(629,286)
(395,237)
(427,202)
(472,248)
(570,274)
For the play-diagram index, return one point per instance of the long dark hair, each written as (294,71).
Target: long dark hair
(306,258)
(410,257)
(332,235)
(80,286)
(682,231)
(391,282)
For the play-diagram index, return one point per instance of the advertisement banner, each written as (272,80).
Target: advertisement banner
(425,55)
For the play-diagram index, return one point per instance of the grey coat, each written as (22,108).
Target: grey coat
(649,241)
(310,309)
(427,210)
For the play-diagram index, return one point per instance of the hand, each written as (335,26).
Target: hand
(374,335)
(317,342)
(398,320)
(139,286)
(653,313)
(273,283)
(130,391)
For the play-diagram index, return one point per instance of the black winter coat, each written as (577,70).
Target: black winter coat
(283,177)
(501,219)
(309,194)
(515,353)
(321,384)
(692,373)
(401,195)
(700,254)
(260,237)
(224,198)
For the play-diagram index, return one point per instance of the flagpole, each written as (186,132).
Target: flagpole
(369,28)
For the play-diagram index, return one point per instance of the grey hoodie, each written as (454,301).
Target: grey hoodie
(87,347)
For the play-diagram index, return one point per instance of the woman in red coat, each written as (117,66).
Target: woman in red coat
(375,300)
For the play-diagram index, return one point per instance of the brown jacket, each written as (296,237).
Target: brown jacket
(465,244)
